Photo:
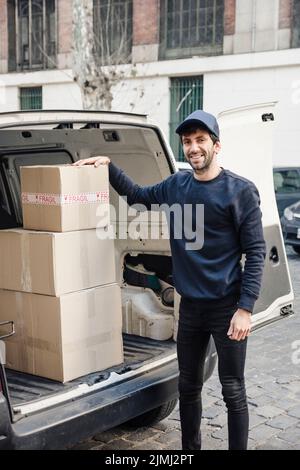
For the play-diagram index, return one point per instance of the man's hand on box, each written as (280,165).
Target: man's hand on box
(96,161)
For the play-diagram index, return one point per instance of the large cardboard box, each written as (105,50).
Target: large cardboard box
(61,198)
(55,263)
(65,337)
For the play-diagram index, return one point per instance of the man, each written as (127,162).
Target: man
(217,298)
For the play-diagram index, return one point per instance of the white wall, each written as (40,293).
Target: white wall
(62,95)
(59,89)
(229,81)
(144,95)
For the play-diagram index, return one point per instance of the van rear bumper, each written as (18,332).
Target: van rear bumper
(71,422)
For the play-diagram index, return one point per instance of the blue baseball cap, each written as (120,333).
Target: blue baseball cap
(202,119)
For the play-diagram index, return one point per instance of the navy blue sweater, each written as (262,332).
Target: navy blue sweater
(232,226)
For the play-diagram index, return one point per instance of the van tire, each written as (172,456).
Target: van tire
(296,248)
(153,416)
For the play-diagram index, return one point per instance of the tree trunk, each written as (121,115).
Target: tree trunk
(95,85)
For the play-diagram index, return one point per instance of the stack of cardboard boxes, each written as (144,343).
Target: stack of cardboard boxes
(57,277)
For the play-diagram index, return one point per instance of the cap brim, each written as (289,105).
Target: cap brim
(185,125)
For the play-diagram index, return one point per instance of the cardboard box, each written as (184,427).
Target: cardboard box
(65,337)
(61,198)
(55,263)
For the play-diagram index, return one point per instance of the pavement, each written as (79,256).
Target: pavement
(273,390)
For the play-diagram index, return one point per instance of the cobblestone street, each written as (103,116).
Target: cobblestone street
(273,391)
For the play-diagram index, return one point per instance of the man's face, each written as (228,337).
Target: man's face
(199,149)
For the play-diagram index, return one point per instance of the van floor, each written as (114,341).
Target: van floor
(138,351)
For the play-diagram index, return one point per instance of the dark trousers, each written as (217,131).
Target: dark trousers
(196,325)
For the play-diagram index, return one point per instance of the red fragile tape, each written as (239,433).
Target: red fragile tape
(44,199)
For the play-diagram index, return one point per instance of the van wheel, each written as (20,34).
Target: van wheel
(296,248)
(153,416)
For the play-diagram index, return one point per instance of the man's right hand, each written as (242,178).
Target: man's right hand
(96,161)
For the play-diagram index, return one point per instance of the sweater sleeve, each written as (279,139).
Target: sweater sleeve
(156,194)
(247,216)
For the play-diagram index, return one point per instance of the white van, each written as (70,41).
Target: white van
(37,413)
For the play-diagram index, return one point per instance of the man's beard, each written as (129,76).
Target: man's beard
(204,165)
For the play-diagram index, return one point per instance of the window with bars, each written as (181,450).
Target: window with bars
(31,98)
(296,24)
(186,96)
(32,34)
(113,31)
(190,27)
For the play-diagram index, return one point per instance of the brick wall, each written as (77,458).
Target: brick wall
(145,22)
(3,30)
(285,14)
(64,15)
(229,17)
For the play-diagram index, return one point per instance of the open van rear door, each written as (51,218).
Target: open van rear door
(247,143)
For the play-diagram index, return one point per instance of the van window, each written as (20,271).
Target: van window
(40,158)
(286,181)
(10,172)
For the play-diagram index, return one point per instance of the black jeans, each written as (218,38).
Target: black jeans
(196,325)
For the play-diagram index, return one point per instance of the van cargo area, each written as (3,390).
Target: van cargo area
(52,415)
(25,388)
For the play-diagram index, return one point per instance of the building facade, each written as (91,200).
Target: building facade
(171,57)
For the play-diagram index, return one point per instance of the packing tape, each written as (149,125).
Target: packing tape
(93,309)
(92,359)
(92,341)
(33,343)
(26,282)
(23,326)
(69,348)
(47,199)
(42,345)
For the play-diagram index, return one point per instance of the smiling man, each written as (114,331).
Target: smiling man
(217,297)
(200,149)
